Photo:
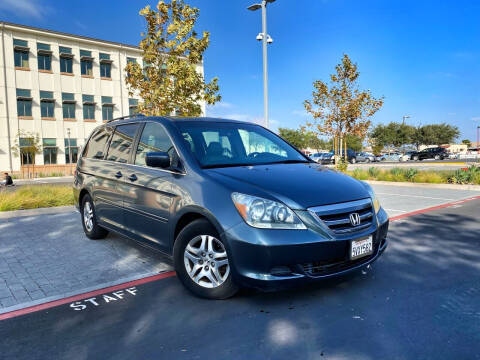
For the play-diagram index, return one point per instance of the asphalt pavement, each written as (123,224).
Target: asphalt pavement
(419,301)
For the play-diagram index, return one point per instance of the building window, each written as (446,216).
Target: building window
(68,104)
(105,66)
(88,107)
(21,51)
(105,70)
(26,153)
(131,60)
(86,62)
(44,57)
(132,106)
(49,151)
(47,104)
(24,103)
(71,147)
(66,60)
(107,108)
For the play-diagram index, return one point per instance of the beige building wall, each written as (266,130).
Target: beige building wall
(12,78)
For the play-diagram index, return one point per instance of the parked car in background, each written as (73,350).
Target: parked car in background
(453,155)
(316,157)
(393,156)
(407,156)
(329,158)
(365,157)
(229,201)
(437,153)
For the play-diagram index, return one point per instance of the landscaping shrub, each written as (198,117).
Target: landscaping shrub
(373,172)
(35,196)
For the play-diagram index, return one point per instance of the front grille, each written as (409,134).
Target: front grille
(337,216)
(335,266)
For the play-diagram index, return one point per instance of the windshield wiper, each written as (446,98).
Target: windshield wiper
(212,166)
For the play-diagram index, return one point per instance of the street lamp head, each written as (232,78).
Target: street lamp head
(260,36)
(270,1)
(254,7)
(269,39)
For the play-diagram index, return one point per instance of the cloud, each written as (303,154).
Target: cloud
(24,8)
(302,113)
(221,105)
(476,118)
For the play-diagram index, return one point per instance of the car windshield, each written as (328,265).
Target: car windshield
(223,144)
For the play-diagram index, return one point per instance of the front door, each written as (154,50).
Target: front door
(149,198)
(112,175)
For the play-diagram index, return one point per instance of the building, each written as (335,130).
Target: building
(59,87)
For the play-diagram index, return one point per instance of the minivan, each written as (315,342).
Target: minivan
(233,204)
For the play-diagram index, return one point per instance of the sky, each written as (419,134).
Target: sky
(422,56)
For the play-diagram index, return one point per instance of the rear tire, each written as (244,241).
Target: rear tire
(205,269)
(89,220)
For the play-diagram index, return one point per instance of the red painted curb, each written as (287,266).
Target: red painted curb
(73,298)
(398,217)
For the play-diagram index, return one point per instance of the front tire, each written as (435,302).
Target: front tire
(415,158)
(89,220)
(201,261)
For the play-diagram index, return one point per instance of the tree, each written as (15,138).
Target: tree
(169,81)
(393,134)
(467,142)
(294,137)
(340,108)
(27,144)
(439,134)
(314,142)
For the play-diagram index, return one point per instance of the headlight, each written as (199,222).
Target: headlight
(376,203)
(266,214)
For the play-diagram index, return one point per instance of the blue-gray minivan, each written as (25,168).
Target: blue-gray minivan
(231,202)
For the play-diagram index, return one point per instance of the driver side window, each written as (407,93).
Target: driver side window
(154,139)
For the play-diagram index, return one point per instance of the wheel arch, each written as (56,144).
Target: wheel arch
(187,216)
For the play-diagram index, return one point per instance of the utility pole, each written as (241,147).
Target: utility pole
(69,151)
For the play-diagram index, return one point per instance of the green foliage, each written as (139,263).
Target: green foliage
(36,196)
(31,145)
(373,172)
(410,174)
(294,137)
(398,134)
(340,107)
(169,81)
(470,175)
(467,142)
(342,165)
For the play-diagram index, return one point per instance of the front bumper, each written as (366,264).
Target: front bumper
(263,258)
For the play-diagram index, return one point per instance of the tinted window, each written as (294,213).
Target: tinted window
(236,144)
(96,146)
(121,144)
(154,139)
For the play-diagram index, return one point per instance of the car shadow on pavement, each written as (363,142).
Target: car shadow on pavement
(419,300)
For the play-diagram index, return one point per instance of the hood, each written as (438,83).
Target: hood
(299,186)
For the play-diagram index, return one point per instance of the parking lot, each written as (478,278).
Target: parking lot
(417,301)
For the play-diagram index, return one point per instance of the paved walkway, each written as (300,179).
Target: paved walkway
(46,256)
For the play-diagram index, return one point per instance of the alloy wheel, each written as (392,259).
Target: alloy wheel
(88,216)
(206,261)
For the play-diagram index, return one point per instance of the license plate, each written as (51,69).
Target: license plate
(361,247)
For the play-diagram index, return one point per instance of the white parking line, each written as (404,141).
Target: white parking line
(418,196)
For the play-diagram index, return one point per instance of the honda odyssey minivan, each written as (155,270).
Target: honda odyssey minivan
(231,202)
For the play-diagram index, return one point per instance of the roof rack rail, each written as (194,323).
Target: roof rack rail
(126,117)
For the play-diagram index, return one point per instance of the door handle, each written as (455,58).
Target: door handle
(118,175)
(132,177)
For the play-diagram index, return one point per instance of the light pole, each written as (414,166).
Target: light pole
(478,145)
(403,123)
(266,39)
(69,151)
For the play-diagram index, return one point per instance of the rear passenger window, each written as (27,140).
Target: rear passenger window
(154,139)
(95,148)
(121,144)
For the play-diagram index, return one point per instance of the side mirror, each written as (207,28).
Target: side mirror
(158,159)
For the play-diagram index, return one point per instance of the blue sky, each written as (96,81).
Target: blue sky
(423,56)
